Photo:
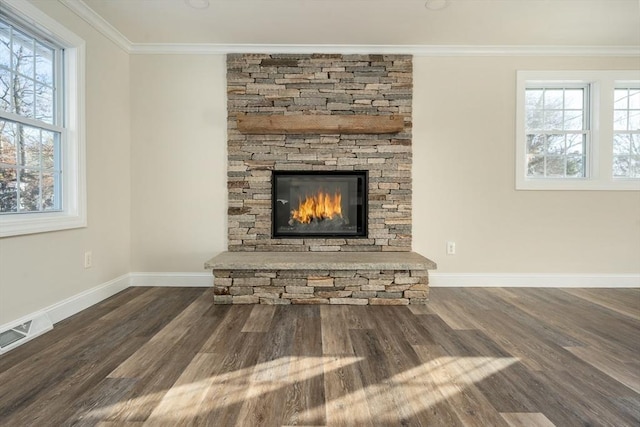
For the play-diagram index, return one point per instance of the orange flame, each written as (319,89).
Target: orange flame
(319,206)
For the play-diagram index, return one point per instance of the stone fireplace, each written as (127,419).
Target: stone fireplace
(323,86)
(319,180)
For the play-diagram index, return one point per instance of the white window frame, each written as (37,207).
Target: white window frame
(74,209)
(599,167)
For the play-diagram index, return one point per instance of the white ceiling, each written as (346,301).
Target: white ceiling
(375,22)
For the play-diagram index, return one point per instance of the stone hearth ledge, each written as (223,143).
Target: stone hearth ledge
(352,278)
(319,261)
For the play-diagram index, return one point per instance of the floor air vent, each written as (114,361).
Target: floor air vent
(13,336)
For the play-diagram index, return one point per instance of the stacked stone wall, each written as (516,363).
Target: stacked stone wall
(327,85)
(352,287)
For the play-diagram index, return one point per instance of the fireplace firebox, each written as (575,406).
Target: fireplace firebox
(319,204)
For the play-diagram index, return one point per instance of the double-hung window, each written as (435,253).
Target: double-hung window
(578,130)
(41,138)
(626,131)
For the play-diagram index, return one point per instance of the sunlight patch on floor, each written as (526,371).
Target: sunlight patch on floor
(406,393)
(186,401)
(415,390)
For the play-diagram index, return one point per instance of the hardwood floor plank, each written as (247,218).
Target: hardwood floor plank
(230,373)
(268,379)
(359,317)
(498,357)
(526,419)
(627,373)
(346,401)
(623,301)
(260,319)
(92,409)
(451,375)
(387,401)
(304,395)
(228,328)
(413,332)
(335,331)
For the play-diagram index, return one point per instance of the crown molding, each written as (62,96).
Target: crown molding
(416,50)
(80,8)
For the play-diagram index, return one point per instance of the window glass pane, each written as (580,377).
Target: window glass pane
(23,54)
(44,103)
(29,190)
(5,45)
(8,143)
(576,144)
(30,147)
(634,120)
(5,91)
(635,144)
(575,166)
(621,143)
(620,120)
(555,144)
(533,98)
(573,120)
(553,99)
(555,166)
(553,119)
(23,96)
(8,190)
(620,166)
(48,192)
(573,99)
(535,144)
(44,64)
(535,119)
(634,98)
(621,99)
(634,167)
(48,149)
(535,166)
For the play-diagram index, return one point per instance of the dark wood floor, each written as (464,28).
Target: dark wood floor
(472,357)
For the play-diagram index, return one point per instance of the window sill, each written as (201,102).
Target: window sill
(21,224)
(578,184)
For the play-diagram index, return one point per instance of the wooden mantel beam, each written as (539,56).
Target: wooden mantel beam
(319,124)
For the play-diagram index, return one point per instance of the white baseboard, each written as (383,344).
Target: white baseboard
(199,280)
(520,280)
(72,305)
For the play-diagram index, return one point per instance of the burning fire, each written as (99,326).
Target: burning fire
(320,206)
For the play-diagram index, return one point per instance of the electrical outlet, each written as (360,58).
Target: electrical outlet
(451,248)
(88,259)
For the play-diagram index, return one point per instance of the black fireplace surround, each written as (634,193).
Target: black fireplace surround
(319,204)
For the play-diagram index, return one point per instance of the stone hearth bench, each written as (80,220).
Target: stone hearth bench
(354,278)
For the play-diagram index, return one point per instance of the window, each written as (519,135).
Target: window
(578,130)
(41,138)
(626,132)
(30,129)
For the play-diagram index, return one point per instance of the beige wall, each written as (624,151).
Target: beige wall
(39,270)
(464,113)
(179,192)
